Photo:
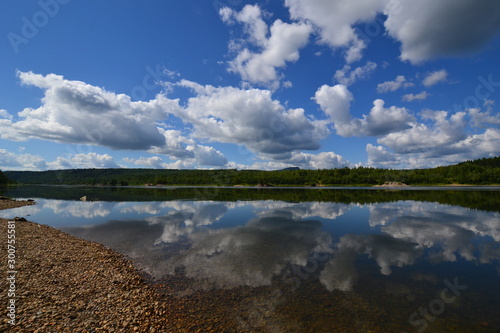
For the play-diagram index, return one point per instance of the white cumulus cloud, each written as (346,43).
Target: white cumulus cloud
(76,112)
(276,45)
(435,77)
(440,139)
(335,102)
(334,21)
(426,29)
(250,118)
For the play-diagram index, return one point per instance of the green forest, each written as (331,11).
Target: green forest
(3,178)
(478,172)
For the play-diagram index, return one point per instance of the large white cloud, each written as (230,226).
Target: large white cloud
(445,129)
(439,138)
(276,45)
(335,102)
(76,112)
(426,29)
(429,153)
(250,118)
(334,21)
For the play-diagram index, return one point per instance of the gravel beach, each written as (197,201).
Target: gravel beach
(65,284)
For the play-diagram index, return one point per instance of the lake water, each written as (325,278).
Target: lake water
(300,260)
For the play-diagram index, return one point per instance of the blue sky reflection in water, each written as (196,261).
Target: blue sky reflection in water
(385,262)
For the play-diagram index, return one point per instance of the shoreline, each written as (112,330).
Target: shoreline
(240,186)
(61,283)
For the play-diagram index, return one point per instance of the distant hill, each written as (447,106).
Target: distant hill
(478,172)
(290,169)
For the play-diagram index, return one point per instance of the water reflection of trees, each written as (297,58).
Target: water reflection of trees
(483,199)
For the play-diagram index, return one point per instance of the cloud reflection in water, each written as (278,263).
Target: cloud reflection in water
(251,251)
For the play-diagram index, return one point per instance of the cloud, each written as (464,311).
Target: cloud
(4,114)
(227,256)
(250,118)
(76,112)
(274,51)
(340,272)
(83,161)
(432,225)
(429,30)
(335,102)
(347,77)
(425,29)
(154,162)
(435,77)
(175,145)
(481,119)
(334,21)
(443,141)
(29,162)
(11,161)
(444,130)
(398,83)
(205,155)
(201,156)
(323,160)
(88,210)
(415,97)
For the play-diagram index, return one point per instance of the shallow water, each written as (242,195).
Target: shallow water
(316,260)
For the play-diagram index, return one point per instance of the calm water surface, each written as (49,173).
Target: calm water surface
(317,260)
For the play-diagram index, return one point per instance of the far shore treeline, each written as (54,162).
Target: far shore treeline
(3,178)
(485,171)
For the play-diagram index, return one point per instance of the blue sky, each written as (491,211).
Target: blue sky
(255,84)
